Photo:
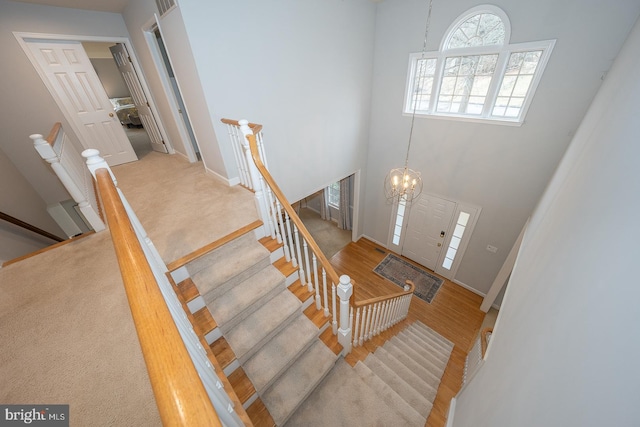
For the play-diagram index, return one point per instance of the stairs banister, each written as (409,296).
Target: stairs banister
(180,394)
(288,208)
(408,291)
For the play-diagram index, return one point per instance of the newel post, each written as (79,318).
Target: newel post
(257,183)
(95,162)
(344,291)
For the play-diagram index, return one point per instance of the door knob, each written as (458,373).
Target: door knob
(110,114)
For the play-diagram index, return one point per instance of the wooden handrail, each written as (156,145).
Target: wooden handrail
(253,145)
(253,126)
(412,287)
(255,154)
(53,135)
(180,395)
(27,226)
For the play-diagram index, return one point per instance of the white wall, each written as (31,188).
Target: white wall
(300,68)
(565,348)
(503,169)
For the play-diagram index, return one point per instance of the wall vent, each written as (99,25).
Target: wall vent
(164,6)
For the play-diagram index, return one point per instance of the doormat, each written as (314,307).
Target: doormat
(398,271)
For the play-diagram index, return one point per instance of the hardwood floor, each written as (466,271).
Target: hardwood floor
(454,313)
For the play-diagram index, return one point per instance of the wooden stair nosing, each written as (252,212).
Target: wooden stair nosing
(188,290)
(180,262)
(271,244)
(204,321)
(317,316)
(285,267)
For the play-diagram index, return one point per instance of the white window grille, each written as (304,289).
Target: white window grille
(334,195)
(477,74)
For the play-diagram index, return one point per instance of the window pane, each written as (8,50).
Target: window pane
(334,195)
(423,84)
(459,231)
(483,29)
(455,242)
(467,78)
(516,83)
(463,218)
(451,253)
(447,263)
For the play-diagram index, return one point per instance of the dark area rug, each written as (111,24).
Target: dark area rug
(398,271)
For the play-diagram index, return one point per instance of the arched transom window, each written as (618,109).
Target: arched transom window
(477,73)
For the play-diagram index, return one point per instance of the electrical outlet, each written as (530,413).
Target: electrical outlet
(492,249)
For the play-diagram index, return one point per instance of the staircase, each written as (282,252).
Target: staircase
(268,347)
(280,354)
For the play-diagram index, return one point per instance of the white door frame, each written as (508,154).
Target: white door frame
(451,273)
(147,30)
(21,36)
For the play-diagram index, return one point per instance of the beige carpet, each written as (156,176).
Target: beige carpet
(327,235)
(182,208)
(67,334)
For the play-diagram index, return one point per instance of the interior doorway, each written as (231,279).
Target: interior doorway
(160,56)
(105,133)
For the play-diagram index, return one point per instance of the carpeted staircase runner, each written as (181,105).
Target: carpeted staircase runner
(395,385)
(263,323)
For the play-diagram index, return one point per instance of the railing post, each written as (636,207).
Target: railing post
(256,179)
(47,152)
(345,290)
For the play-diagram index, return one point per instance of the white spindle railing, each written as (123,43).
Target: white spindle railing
(68,165)
(332,294)
(222,403)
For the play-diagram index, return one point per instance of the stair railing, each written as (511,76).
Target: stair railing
(68,165)
(187,389)
(371,316)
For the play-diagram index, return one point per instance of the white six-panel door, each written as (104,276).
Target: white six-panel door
(74,84)
(426,232)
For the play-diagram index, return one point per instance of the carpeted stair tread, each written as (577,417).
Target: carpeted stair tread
(443,351)
(247,336)
(422,328)
(274,357)
(292,388)
(397,346)
(419,347)
(345,399)
(390,356)
(225,267)
(387,374)
(240,301)
(386,393)
(406,384)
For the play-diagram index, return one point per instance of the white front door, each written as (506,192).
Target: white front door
(429,221)
(68,74)
(121,56)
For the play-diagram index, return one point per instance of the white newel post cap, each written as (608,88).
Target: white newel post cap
(245,129)
(44,148)
(345,288)
(95,162)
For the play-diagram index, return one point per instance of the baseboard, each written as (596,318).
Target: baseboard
(475,291)
(222,178)
(384,245)
(451,412)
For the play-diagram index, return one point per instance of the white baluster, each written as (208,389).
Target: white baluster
(368,323)
(300,266)
(285,247)
(355,329)
(306,260)
(263,154)
(382,325)
(294,262)
(237,153)
(396,303)
(345,290)
(273,218)
(388,312)
(351,320)
(334,325)
(324,292)
(363,326)
(315,280)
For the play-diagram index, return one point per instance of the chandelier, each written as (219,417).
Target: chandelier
(404,183)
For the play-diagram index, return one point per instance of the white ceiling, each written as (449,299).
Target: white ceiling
(116,6)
